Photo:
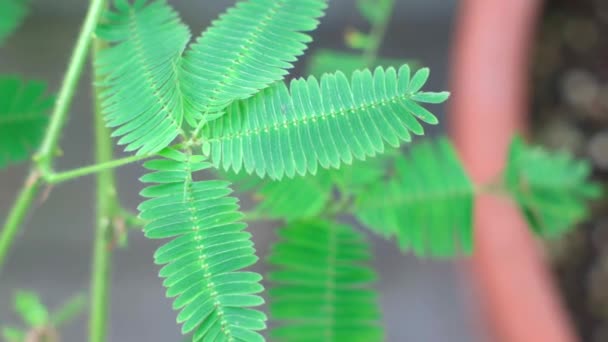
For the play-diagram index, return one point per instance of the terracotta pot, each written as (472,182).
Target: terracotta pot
(489,105)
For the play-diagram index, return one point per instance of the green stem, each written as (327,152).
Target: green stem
(370,54)
(60,177)
(107,205)
(17,214)
(45,155)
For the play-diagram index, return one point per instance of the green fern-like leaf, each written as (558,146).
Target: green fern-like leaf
(552,189)
(248,48)
(297,198)
(23,117)
(12,13)
(30,309)
(208,252)
(322,285)
(283,131)
(356,179)
(427,204)
(276,199)
(309,196)
(141,95)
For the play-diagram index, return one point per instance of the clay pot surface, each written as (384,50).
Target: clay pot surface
(489,105)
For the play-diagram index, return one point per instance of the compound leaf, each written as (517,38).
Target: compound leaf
(427,204)
(23,117)
(322,285)
(309,196)
(141,96)
(248,48)
(552,189)
(283,131)
(293,199)
(204,260)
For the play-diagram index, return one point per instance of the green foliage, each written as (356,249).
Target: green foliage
(324,61)
(36,317)
(248,48)
(209,249)
(150,88)
(226,97)
(10,334)
(141,95)
(311,196)
(283,131)
(322,285)
(291,199)
(552,189)
(356,179)
(23,117)
(375,11)
(427,203)
(12,13)
(30,309)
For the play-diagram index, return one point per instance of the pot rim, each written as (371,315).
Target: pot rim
(489,79)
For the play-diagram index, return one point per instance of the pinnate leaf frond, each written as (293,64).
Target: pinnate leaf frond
(204,260)
(293,199)
(284,132)
(551,188)
(141,95)
(248,48)
(24,106)
(427,204)
(322,285)
(310,196)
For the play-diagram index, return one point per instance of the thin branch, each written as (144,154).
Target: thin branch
(45,155)
(59,177)
(18,213)
(107,206)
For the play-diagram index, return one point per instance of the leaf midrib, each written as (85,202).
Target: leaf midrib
(314,118)
(188,196)
(146,70)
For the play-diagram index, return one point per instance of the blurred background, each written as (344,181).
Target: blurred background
(422,300)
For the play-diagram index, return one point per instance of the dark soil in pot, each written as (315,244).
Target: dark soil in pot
(570,111)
